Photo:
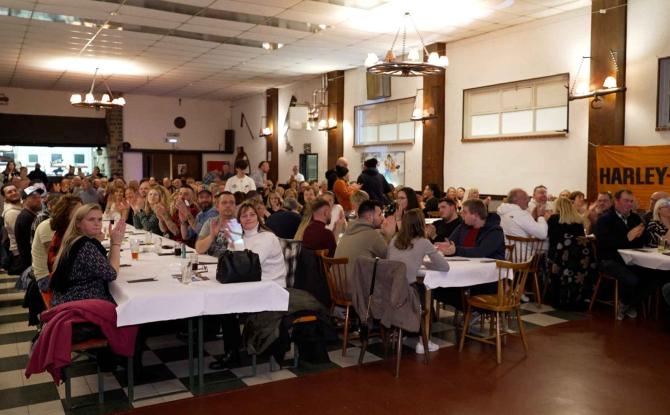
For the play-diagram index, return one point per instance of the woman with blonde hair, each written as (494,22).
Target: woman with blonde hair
(274,203)
(155,204)
(82,268)
(117,207)
(571,265)
(657,228)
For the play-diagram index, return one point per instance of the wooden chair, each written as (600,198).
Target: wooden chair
(603,277)
(434,214)
(527,249)
(507,300)
(336,274)
(85,349)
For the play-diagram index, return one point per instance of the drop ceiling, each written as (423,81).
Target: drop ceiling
(222,49)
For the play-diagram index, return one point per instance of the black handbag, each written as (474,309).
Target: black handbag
(238,266)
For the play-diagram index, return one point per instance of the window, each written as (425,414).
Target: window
(79,159)
(32,158)
(384,123)
(534,108)
(663,104)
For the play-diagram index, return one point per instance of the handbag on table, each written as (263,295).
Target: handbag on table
(238,266)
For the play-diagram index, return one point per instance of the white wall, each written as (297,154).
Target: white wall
(546,47)
(148,119)
(298,138)
(253,108)
(648,40)
(355,93)
(41,102)
(132,166)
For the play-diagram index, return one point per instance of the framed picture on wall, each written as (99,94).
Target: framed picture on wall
(663,100)
(389,163)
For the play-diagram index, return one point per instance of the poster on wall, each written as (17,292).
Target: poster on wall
(389,163)
(642,169)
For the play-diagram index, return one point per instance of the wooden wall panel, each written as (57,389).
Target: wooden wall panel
(432,158)
(272,143)
(336,105)
(606,123)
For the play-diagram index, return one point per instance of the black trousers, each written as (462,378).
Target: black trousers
(453,297)
(635,283)
(230,327)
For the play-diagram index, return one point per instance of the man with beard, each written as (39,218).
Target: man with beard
(213,237)
(32,204)
(316,235)
(12,209)
(191,227)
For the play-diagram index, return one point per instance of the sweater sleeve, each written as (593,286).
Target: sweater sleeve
(538,228)
(437,261)
(343,193)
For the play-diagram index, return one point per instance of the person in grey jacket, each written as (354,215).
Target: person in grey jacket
(362,237)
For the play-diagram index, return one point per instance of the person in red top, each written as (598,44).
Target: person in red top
(316,235)
(343,190)
(184,211)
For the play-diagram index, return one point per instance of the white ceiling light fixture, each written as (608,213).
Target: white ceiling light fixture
(107,100)
(412,65)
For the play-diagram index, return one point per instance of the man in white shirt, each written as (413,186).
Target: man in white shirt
(240,182)
(540,198)
(297,176)
(516,220)
(11,211)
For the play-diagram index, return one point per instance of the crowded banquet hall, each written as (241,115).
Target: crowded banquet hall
(334,206)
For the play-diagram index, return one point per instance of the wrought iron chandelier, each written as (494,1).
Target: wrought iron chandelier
(412,65)
(107,99)
(582,90)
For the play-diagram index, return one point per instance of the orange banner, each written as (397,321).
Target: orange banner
(643,169)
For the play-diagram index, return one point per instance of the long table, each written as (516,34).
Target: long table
(463,272)
(166,298)
(646,257)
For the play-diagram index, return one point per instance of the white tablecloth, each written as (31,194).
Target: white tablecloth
(169,299)
(472,271)
(649,258)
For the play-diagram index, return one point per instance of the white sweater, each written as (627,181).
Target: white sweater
(518,222)
(266,245)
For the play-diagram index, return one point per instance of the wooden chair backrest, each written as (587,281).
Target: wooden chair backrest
(509,251)
(511,282)
(434,214)
(336,274)
(525,249)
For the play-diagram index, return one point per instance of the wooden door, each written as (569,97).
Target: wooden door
(156,165)
(187,165)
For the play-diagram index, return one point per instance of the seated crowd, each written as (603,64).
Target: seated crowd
(57,239)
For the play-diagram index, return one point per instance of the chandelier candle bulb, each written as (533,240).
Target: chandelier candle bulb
(610,82)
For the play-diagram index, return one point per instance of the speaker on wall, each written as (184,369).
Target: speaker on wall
(229,142)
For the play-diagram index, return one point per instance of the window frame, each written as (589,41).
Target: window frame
(501,87)
(660,91)
(379,142)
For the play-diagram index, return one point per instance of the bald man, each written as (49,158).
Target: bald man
(655,197)
(331,175)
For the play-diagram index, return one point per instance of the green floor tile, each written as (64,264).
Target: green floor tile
(8,279)
(18,337)
(11,303)
(11,290)
(13,363)
(28,395)
(14,318)
(150,374)
(306,367)
(216,382)
(568,315)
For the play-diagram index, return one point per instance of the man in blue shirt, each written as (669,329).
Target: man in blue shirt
(191,226)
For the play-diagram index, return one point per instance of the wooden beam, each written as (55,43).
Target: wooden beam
(606,117)
(432,158)
(272,143)
(335,110)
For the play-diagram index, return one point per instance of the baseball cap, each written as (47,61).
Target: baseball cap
(30,190)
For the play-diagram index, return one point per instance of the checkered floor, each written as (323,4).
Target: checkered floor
(166,365)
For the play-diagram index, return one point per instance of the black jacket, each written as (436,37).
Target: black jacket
(38,175)
(612,234)
(430,205)
(331,176)
(490,241)
(284,223)
(375,184)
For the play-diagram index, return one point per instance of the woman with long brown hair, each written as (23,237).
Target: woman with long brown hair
(410,246)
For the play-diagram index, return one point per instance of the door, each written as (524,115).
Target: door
(187,165)
(309,166)
(156,165)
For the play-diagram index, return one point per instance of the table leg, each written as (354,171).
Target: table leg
(190,354)
(201,360)
(428,305)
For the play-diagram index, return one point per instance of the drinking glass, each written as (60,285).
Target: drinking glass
(148,238)
(135,249)
(186,272)
(194,261)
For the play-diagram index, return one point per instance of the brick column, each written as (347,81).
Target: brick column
(114,118)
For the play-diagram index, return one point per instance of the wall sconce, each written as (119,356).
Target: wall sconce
(582,90)
(419,113)
(266,130)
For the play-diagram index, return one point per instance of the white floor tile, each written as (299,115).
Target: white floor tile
(177,396)
(169,386)
(149,358)
(46,408)
(110,382)
(5,311)
(21,410)
(161,342)
(79,387)
(541,319)
(8,350)
(263,374)
(12,296)
(147,402)
(534,308)
(23,347)
(36,378)
(142,391)
(11,379)
(351,359)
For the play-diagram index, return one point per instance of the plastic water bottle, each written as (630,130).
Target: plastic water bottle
(183,250)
